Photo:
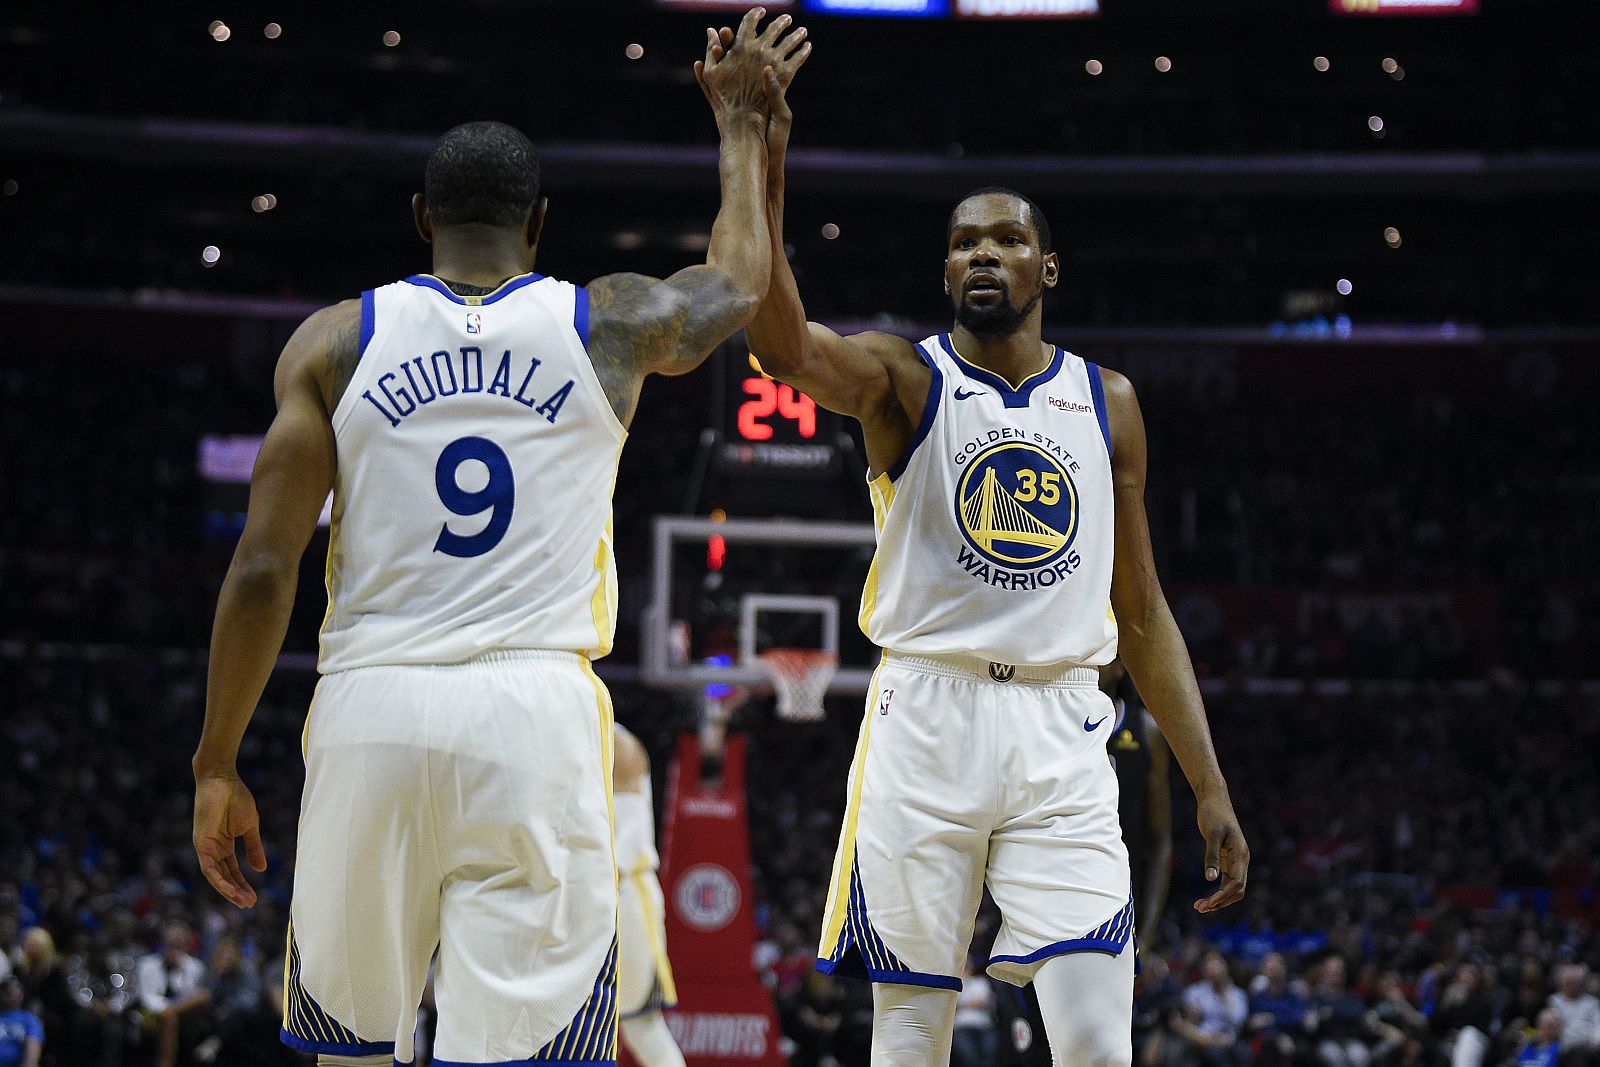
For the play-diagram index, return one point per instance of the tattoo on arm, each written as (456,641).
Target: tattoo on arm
(640,325)
(344,352)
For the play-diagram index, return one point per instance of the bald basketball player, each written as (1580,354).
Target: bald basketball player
(1013,559)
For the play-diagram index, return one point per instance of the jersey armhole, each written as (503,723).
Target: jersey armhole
(1097,393)
(369,320)
(930,408)
(580,314)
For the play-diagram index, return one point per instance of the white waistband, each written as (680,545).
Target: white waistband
(971,668)
(498,656)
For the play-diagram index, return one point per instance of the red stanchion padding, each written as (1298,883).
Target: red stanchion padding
(725,1016)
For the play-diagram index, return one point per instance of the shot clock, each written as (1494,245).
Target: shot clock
(773,429)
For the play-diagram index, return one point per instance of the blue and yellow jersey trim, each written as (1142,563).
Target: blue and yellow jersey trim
(500,292)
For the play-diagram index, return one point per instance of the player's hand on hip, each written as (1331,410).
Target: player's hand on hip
(733,73)
(1227,854)
(224,811)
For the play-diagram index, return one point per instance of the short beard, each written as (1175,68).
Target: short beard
(995,320)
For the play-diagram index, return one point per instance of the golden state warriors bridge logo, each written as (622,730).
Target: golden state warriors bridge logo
(1017,508)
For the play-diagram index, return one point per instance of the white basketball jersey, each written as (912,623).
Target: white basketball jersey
(476,457)
(995,529)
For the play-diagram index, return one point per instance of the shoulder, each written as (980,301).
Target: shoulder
(324,351)
(1119,390)
(629,294)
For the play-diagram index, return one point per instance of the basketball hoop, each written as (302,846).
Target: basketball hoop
(800,678)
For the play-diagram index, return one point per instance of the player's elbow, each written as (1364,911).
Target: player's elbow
(260,577)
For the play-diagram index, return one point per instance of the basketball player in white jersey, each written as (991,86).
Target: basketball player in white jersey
(644,974)
(1013,558)
(458,749)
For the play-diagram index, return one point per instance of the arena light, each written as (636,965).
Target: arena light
(1344,287)
(391,38)
(1403,7)
(830,231)
(1375,124)
(1163,64)
(1321,63)
(1390,65)
(272,31)
(1093,67)
(1026,9)
(219,31)
(210,254)
(903,9)
(1398,74)
(634,51)
(1391,237)
(10,188)
(264,202)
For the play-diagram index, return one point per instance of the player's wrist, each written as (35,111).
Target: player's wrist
(214,765)
(738,120)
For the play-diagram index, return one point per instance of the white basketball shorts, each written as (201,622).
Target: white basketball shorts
(965,772)
(467,808)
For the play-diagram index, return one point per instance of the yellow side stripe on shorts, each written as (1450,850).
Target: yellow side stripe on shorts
(833,921)
(303,1016)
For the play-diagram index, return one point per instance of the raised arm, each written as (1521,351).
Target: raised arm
(640,325)
(877,378)
(1153,649)
(293,475)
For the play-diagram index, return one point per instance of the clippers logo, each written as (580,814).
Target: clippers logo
(707,897)
(474,322)
(1017,506)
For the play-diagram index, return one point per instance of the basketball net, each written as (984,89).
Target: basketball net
(800,678)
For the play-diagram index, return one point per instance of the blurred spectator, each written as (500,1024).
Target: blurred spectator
(1580,1017)
(1214,1011)
(1400,1027)
(21,1032)
(1338,1022)
(44,985)
(1543,1048)
(1278,1007)
(170,989)
(1463,1018)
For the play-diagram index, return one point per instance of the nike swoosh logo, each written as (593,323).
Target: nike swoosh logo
(967,395)
(1091,729)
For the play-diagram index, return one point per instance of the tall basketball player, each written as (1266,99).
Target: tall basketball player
(458,749)
(644,974)
(1013,558)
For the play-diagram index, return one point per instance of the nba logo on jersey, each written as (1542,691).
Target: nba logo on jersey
(474,322)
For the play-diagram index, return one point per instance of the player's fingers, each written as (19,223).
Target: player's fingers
(775,29)
(791,44)
(726,35)
(230,883)
(1213,856)
(798,59)
(748,24)
(254,850)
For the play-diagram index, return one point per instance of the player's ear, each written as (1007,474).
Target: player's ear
(536,221)
(419,215)
(1052,270)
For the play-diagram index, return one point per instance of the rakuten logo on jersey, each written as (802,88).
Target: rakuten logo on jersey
(1075,406)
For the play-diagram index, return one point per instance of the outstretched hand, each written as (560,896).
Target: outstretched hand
(1227,854)
(224,811)
(740,67)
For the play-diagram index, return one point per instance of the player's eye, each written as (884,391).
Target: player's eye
(1013,239)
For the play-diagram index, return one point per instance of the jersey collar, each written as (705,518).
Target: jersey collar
(1014,397)
(506,288)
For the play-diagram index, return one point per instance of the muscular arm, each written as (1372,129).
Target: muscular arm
(640,325)
(1156,656)
(631,768)
(293,474)
(876,378)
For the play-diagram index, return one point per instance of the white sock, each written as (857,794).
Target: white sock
(1086,1001)
(648,1038)
(911,1025)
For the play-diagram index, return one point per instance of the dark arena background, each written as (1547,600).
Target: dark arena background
(1345,250)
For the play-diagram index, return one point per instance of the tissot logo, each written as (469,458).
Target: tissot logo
(1074,406)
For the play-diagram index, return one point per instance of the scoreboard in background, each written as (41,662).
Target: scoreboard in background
(1403,7)
(769,428)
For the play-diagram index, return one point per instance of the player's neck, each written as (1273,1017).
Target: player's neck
(1015,357)
(480,255)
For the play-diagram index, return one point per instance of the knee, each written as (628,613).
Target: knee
(1094,1046)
